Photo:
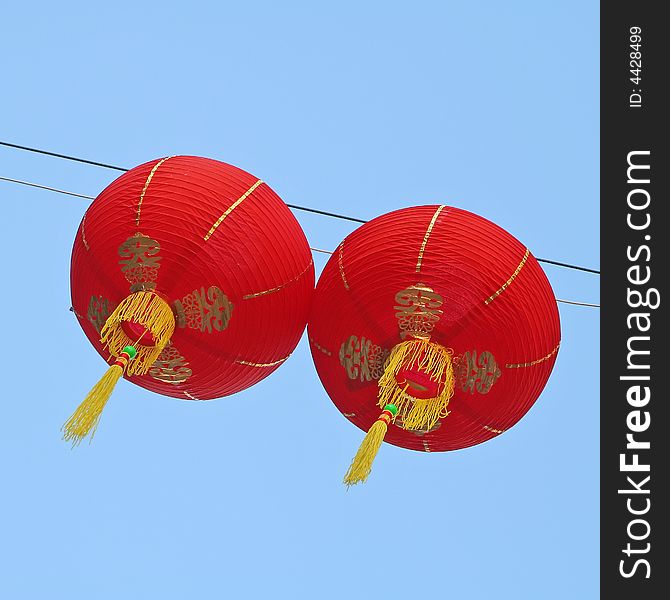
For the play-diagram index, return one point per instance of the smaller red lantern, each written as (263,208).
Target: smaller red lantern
(192,278)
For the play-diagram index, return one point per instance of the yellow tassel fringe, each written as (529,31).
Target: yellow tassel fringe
(150,311)
(420,414)
(85,419)
(362,464)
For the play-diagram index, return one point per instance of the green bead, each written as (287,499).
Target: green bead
(392,408)
(130,351)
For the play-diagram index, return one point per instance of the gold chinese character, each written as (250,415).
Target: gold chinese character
(477,374)
(139,261)
(205,312)
(170,367)
(418,309)
(362,359)
(98,311)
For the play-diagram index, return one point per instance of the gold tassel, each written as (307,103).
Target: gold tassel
(85,419)
(148,310)
(362,464)
(428,357)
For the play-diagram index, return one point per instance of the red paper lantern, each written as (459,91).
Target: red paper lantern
(201,268)
(439,319)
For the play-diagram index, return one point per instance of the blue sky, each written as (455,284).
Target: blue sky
(358,108)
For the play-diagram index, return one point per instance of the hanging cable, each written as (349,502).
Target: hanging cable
(569,266)
(578,303)
(64,156)
(294,206)
(46,187)
(59,191)
(116,168)
(557,299)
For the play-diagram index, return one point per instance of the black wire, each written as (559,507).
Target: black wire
(327,214)
(65,156)
(294,206)
(106,166)
(560,264)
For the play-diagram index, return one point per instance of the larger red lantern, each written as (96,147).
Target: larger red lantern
(192,277)
(432,329)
